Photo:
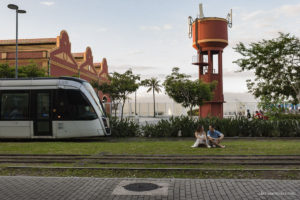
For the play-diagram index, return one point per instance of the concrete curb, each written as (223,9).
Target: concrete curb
(151,169)
(150,155)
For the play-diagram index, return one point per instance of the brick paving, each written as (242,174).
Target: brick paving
(72,188)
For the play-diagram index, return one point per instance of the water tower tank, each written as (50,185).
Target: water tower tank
(210,33)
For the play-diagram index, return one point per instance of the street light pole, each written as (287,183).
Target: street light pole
(15,7)
(16,44)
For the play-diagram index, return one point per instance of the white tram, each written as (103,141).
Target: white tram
(62,107)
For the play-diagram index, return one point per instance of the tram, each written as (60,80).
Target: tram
(63,107)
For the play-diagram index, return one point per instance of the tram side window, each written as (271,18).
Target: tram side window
(14,106)
(60,110)
(71,105)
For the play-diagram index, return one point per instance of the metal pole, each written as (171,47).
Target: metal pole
(48,66)
(17,43)
(135,104)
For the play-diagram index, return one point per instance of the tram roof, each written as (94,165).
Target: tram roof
(48,80)
(45,78)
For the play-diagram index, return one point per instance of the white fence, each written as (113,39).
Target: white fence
(175,109)
(147,109)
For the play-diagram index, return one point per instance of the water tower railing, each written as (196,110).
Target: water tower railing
(195,59)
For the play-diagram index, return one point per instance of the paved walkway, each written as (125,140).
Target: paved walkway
(24,187)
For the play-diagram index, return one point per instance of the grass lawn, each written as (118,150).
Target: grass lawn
(156,146)
(151,146)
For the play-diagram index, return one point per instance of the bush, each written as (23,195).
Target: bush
(30,70)
(241,127)
(288,116)
(162,129)
(124,128)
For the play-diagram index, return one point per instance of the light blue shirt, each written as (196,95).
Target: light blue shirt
(214,134)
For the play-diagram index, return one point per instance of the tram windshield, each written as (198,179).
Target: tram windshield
(95,97)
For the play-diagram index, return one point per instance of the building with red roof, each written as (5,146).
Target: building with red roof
(55,56)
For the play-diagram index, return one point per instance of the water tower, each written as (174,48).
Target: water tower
(210,37)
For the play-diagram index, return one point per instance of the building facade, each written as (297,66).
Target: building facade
(55,56)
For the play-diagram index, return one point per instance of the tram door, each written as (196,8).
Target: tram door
(42,119)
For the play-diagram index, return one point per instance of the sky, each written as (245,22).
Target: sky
(151,36)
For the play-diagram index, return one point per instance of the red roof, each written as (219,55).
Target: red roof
(29,41)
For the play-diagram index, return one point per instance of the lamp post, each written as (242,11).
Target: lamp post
(15,7)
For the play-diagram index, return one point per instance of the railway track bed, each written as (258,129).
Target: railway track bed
(286,160)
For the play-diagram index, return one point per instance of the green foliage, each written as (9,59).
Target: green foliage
(119,87)
(276,66)
(186,92)
(124,128)
(288,116)
(152,84)
(195,112)
(111,89)
(162,129)
(6,71)
(238,127)
(274,112)
(271,109)
(31,70)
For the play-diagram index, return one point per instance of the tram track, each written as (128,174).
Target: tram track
(286,160)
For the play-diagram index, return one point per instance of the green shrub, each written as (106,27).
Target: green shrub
(124,128)
(289,128)
(185,124)
(288,116)
(162,129)
(241,127)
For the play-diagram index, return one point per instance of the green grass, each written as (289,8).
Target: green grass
(233,147)
(151,146)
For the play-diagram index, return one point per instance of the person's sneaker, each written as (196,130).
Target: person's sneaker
(214,146)
(208,146)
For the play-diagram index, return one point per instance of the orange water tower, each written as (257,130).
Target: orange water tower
(210,37)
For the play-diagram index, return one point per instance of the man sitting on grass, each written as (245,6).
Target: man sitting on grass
(214,137)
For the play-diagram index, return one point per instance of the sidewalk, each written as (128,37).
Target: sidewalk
(24,187)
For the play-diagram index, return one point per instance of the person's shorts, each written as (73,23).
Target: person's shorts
(210,143)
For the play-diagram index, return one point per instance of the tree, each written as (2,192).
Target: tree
(187,92)
(6,71)
(111,89)
(153,85)
(120,86)
(276,64)
(126,84)
(31,70)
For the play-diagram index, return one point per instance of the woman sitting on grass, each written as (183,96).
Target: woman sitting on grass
(201,137)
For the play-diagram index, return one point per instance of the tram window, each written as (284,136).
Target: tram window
(71,105)
(14,106)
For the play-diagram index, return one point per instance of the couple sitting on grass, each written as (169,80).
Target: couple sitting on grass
(212,139)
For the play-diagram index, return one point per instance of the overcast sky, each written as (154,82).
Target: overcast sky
(150,36)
